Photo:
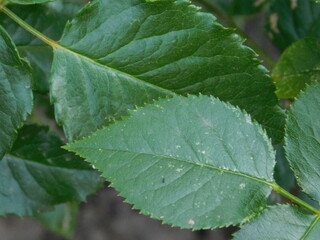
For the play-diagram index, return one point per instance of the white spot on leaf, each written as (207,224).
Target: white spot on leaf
(191,222)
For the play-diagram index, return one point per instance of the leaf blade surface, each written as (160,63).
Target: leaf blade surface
(15,92)
(299,65)
(283,222)
(302,140)
(170,46)
(37,174)
(179,160)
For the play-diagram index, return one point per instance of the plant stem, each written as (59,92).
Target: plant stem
(29,28)
(295,199)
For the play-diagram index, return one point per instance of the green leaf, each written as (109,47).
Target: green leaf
(120,53)
(282,172)
(15,92)
(192,162)
(283,222)
(298,66)
(303,140)
(49,19)
(289,21)
(38,174)
(61,220)
(26,2)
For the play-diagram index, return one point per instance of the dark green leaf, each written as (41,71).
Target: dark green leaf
(38,174)
(298,65)
(282,172)
(49,19)
(303,140)
(15,92)
(291,20)
(283,222)
(192,162)
(61,220)
(120,53)
(236,7)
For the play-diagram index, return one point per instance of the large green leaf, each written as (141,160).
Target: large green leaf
(49,19)
(289,21)
(303,140)
(298,65)
(120,53)
(283,222)
(38,174)
(193,162)
(15,92)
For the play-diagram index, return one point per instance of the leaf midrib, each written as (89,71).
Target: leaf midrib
(18,158)
(245,175)
(310,228)
(61,47)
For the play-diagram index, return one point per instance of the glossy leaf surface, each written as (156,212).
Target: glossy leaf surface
(15,92)
(298,66)
(302,140)
(38,174)
(118,54)
(283,222)
(192,162)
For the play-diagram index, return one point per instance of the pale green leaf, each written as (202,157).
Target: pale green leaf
(291,20)
(192,162)
(298,65)
(37,174)
(15,92)
(120,53)
(283,222)
(303,140)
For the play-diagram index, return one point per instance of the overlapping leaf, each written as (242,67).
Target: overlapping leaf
(289,21)
(298,66)
(303,140)
(15,92)
(49,19)
(38,174)
(192,162)
(283,222)
(120,53)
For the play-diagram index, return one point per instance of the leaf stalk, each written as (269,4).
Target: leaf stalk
(29,28)
(295,199)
